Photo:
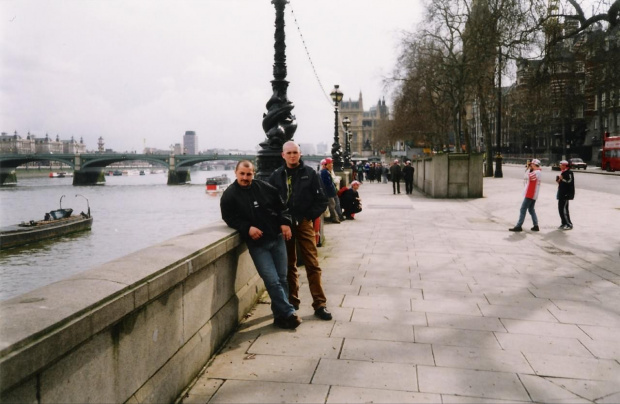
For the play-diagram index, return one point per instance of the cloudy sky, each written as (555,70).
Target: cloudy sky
(143,72)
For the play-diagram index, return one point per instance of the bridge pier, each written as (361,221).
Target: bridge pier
(8,178)
(178,177)
(90,176)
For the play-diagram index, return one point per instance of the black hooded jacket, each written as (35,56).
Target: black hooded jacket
(258,205)
(307,200)
(566,187)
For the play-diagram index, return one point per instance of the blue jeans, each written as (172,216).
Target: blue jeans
(269,257)
(527,205)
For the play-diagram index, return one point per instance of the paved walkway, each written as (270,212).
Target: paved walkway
(434,301)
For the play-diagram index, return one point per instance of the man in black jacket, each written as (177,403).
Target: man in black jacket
(300,186)
(408,171)
(395,174)
(254,208)
(566,192)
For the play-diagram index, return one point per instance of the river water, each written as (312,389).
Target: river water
(130,213)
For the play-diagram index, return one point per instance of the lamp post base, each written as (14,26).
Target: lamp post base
(267,161)
(498,166)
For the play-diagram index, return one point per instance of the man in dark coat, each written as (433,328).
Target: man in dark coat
(300,186)
(395,175)
(408,171)
(566,192)
(255,209)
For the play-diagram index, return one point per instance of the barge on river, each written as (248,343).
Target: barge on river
(56,223)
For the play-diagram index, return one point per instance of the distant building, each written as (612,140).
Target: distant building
(177,149)
(322,148)
(73,147)
(307,149)
(364,125)
(15,144)
(190,142)
(154,150)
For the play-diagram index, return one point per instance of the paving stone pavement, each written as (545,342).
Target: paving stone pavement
(434,301)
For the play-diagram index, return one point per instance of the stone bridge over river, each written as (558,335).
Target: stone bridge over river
(89,169)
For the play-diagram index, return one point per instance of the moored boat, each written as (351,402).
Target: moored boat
(215,184)
(56,223)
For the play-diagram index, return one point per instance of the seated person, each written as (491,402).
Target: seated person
(350,201)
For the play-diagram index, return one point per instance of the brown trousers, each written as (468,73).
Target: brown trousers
(303,235)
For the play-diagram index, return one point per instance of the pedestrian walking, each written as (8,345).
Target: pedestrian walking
(300,186)
(255,209)
(566,193)
(360,172)
(532,186)
(408,171)
(395,175)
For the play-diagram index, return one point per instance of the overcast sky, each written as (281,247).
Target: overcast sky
(143,72)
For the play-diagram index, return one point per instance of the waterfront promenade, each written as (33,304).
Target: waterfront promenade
(434,301)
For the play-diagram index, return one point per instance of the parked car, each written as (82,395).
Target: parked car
(556,166)
(577,163)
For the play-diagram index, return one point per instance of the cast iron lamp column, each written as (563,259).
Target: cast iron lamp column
(346,122)
(498,133)
(336,95)
(278,123)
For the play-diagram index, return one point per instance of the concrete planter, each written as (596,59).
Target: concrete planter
(451,175)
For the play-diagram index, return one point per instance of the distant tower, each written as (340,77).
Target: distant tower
(100,145)
(190,142)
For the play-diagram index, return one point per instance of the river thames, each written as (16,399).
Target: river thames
(130,213)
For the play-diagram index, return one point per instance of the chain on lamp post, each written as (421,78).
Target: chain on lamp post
(336,95)
(346,122)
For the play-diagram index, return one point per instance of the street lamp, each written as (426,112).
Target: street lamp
(346,122)
(498,132)
(336,95)
(279,123)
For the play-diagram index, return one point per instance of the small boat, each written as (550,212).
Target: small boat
(117,173)
(56,223)
(215,184)
(60,174)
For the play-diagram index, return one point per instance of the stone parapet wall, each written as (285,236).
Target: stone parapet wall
(451,175)
(138,329)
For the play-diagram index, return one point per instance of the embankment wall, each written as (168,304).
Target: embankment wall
(137,329)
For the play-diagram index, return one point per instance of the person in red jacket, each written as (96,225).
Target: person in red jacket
(532,186)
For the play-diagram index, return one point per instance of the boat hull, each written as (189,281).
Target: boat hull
(15,236)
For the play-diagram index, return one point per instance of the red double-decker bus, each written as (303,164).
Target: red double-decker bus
(610,156)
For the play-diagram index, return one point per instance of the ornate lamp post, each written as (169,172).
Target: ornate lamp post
(346,122)
(498,133)
(278,123)
(336,95)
